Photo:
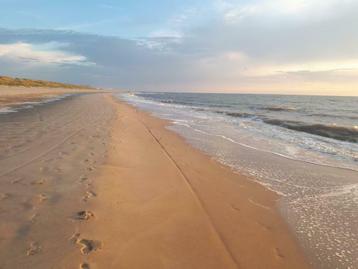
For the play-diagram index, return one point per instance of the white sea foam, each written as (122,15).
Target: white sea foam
(5,110)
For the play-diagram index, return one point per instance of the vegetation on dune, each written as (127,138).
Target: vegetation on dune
(8,81)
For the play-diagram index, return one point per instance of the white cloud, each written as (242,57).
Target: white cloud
(46,53)
(307,45)
(303,10)
(349,67)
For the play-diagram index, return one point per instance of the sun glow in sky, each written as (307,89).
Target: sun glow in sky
(258,46)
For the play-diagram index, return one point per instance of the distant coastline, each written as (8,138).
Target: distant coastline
(16,93)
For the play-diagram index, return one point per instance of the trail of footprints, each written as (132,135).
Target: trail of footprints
(86,245)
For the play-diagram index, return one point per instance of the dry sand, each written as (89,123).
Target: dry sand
(90,182)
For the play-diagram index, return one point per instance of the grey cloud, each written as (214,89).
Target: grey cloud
(119,62)
(281,39)
(165,63)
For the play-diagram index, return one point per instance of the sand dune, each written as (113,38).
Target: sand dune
(17,94)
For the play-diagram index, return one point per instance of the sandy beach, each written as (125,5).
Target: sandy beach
(91,182)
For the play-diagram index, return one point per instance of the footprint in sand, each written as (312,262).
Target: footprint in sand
(89,195)
(89,245)
(235,207)
(91,168)
(83,178)
(84,266)
(38,182)
(278,253)
(84,215)
(4,196)
(33,249)
(42,197)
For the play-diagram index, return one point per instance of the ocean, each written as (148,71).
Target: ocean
(305,148)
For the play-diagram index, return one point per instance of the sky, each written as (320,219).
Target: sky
(248,46)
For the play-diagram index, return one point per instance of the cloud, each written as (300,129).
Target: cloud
(44,54)
(266,32)
(261,45)
(176,24)
(234,10)
(116,62)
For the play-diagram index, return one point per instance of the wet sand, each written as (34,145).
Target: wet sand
(13,95)
(89,182)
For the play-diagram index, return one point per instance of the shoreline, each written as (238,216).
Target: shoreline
(262,230)
(123,191)
(318,202)
(16,95)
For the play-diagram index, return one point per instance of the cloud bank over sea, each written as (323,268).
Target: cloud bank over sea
(256,46)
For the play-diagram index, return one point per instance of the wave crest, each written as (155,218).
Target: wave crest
(348,134)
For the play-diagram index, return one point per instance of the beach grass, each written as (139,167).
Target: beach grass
(24,82)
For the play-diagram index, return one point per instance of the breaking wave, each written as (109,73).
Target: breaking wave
(349,134)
